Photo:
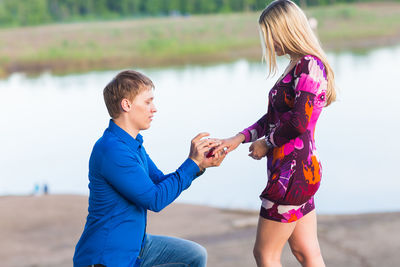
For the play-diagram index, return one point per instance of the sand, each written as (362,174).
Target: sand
(43,231)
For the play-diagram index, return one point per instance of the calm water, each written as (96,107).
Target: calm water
(50,123)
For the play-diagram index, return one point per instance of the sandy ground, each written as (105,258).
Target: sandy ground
(42,231)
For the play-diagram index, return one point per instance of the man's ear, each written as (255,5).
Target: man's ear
(126,105)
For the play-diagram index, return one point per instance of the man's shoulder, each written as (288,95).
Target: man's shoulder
(109,144)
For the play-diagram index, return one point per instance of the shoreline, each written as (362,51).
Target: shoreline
(243,211)
(177,41)
(43,231)
(65,67)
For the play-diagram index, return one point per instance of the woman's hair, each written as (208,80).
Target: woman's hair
(282,22)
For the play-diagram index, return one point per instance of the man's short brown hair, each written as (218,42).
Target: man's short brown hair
(127,84)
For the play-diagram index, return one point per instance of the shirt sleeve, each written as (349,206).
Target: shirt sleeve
(154,173)
(130,179)
(308,75)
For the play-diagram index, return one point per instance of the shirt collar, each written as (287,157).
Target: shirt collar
(124,136)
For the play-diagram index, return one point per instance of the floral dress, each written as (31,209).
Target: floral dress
(294,170)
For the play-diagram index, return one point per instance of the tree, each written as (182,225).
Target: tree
(32,12)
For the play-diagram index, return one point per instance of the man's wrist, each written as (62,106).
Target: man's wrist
(195,161)
(202,170)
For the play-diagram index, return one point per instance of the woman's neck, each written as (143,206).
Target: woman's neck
(294,58)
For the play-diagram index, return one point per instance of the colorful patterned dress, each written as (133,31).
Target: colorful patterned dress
(294,171)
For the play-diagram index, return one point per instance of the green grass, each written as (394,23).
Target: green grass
(173,41)
(346,23)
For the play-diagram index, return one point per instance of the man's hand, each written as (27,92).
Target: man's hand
(213,160)
(199,147)
(258,149)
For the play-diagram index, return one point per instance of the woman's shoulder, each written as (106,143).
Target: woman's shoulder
(310,64)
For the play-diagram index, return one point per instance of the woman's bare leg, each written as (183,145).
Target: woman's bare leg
(304,242)
(271,237)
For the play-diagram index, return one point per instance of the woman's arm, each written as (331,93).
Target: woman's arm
(258,129)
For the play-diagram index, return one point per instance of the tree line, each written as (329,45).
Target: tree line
(33,12)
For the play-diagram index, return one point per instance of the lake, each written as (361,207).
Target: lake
(50,123)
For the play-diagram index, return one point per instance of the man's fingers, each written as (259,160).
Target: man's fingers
(203,150)
(228,150)
(199,136)
(200,143)
(218,159)
(216,156)
(207,143)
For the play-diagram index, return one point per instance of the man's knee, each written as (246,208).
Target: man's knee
(198,255)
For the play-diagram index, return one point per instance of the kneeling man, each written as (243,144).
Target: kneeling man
(124,183)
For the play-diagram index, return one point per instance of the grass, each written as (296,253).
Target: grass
(181,40)
(358,26)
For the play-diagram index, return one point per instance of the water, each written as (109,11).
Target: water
(50,123)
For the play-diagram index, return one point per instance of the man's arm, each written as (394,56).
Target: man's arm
(130,179)
(155,174)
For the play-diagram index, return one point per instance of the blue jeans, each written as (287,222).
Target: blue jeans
(167,251)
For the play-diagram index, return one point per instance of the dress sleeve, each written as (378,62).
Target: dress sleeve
(308,75)
(130,179)
(258,129)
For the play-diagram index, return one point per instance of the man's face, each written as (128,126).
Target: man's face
(143,110)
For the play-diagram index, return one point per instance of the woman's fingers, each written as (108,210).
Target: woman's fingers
(255,154)
(224,145)
(218,158)
(251,148)
(223,149)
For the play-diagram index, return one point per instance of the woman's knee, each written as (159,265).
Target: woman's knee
(306,255)
(265,257)
(299,255)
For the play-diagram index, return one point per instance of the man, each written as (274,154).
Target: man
(124,183)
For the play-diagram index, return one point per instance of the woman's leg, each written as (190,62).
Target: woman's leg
(168,251)
(271,237)
(304,242)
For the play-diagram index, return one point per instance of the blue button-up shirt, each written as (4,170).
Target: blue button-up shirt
(124,183)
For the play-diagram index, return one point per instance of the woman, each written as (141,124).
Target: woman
(286,136)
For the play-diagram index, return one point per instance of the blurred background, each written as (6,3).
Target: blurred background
(204,57)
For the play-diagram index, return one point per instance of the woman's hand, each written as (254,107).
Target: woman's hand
(229,144)
(258,149)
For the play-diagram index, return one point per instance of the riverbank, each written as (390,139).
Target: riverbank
(154,42)
(42,231)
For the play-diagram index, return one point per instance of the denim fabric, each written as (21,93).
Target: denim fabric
(164,251)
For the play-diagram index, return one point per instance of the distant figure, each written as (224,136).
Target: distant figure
(125,183)
(36,190)
(45,189)
(285,135)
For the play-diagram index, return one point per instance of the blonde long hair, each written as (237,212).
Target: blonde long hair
(284,23)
